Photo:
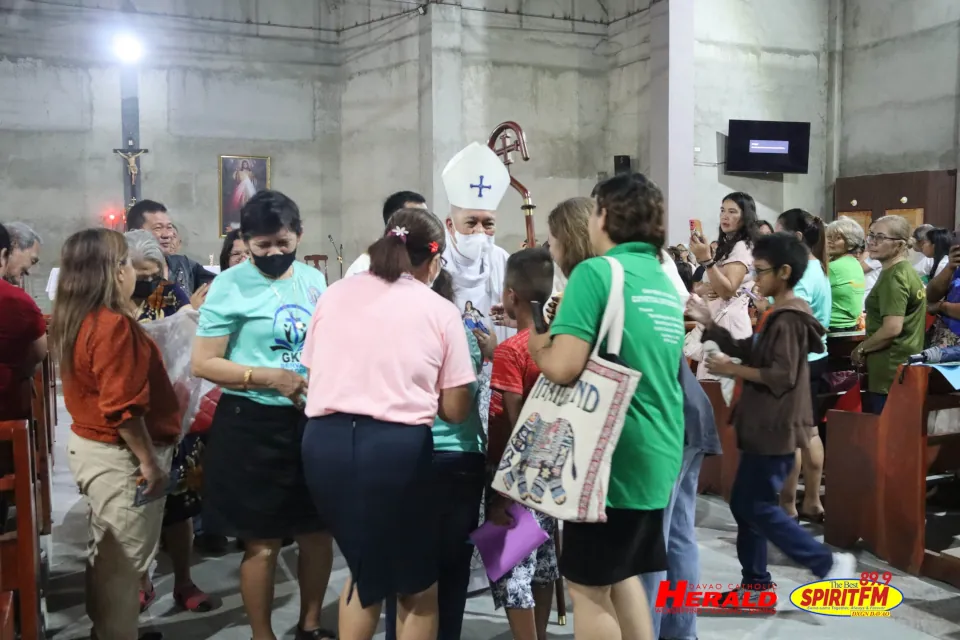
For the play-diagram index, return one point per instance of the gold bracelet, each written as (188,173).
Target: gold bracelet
(246,379)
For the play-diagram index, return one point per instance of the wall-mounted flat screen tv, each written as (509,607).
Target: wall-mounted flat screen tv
(766,146)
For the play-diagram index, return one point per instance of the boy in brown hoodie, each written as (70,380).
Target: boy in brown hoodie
(772,418)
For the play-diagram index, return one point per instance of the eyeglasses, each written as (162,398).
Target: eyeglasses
(760,272)
(879,237)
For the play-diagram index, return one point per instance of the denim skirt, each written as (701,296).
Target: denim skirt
(373,485)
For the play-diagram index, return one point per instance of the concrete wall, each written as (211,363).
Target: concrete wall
(759,61)
(402,119)
(628,79)
(548,75)
(379,151)
(210,85)
(354,100)
(901,86)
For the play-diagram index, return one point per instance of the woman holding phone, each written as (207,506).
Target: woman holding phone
(943,300)
(726,272)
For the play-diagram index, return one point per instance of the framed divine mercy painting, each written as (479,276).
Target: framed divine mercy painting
(240,178)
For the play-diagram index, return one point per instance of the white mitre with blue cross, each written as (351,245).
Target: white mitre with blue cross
(475,178)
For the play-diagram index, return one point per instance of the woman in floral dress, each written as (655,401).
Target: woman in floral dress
(156,298)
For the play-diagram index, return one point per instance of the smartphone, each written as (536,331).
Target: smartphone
(539,324)
(140,499)
(696,228)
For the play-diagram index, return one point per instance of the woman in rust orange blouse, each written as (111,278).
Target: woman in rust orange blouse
(126,421)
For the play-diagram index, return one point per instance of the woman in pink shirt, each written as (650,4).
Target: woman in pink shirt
(376,384)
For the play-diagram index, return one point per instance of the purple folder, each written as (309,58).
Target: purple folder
(503,548)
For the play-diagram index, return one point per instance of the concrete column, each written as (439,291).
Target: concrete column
(441,99)
(130,126)
(672,112)
(834,103)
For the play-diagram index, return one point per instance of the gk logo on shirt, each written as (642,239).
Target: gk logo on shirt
(289,332)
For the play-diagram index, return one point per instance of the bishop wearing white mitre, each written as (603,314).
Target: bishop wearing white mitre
(475,181)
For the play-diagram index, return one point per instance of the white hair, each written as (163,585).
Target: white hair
(22,236)
(849,230)
(143,247)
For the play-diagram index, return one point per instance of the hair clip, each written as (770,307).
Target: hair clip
(400,232)
(434,247)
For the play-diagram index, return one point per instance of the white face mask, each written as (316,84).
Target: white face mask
(472,246)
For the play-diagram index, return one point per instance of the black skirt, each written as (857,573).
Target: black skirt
(373,484)
(253,485)
(601,554)
(819,385)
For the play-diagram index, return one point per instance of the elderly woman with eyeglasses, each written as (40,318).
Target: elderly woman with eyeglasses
(896,309)
(155,299)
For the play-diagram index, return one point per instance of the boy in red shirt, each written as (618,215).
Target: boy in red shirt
(526,590)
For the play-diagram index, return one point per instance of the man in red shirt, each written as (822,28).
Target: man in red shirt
(23,341)
(23,254)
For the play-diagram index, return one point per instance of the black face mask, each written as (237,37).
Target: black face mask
(276,265)
(143,289)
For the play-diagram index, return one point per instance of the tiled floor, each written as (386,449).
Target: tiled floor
(930,610)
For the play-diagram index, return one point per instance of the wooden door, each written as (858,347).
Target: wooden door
(913,216)
(863,218)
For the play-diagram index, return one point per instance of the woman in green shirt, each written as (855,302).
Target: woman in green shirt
(847,281)
(896,309)
(601,560)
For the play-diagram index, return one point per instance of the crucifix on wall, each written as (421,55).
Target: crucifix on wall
(132,157)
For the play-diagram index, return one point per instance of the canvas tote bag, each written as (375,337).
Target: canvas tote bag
(558,458)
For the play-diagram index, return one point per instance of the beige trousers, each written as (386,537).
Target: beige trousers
(123,538)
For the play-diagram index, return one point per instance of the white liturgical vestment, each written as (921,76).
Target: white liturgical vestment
(476,180)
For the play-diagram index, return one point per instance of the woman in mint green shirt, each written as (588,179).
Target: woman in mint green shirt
(252,328)
(601,561)
(814,288)
(459,459)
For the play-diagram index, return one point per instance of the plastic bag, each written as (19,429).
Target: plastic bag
(727,384)
(198,398)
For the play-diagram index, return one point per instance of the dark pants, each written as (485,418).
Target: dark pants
(874,402)
(755,503)
(460,482)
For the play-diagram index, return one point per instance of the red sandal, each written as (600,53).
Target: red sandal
(147,597)
(192,598)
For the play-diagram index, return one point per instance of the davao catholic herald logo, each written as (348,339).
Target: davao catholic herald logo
(870,597)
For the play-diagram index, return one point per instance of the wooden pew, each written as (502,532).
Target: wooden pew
(877,468)
(718,472)
(7,615)
(20,548)
(42,438)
